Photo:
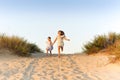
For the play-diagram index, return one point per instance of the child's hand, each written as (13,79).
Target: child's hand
(52,44)
(68,39)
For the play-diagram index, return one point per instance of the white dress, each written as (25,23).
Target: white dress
(60,40)
(49,46)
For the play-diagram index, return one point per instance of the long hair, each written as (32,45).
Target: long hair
(62,32)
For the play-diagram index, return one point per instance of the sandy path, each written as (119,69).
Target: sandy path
(70,67)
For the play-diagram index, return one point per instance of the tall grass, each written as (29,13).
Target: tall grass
(101,42)
(18,45)
(115,49)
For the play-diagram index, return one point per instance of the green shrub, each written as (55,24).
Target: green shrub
(113,37)
(18,45)
(33,48)
(115,49)
(101,42)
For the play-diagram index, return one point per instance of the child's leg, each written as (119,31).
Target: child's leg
(46,52)
(59,51)
(50,53)
(62,48)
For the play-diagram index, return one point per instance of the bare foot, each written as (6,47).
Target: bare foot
(58,56)
(50,54)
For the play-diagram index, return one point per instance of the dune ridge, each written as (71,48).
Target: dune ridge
(68,67)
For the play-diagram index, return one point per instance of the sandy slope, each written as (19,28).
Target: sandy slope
(69,67)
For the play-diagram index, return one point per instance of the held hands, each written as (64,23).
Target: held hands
(53,43)
(68,39)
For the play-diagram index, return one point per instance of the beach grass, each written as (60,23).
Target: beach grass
(17,45)
(109,42)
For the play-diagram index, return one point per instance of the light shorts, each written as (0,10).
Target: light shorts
(50,48)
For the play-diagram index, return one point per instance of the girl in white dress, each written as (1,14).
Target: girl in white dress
(49,47)
(60,41)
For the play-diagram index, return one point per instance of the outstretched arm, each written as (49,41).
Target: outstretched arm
(55,40)
(66,39)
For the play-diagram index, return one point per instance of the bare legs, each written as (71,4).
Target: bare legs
(59,51)
(59,48)
(47,52)
(50,53)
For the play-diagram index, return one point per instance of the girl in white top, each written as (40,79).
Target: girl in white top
(60,41)
(49,47)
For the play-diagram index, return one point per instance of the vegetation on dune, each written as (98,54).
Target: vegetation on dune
(18,45)
(109,42)
(115,49)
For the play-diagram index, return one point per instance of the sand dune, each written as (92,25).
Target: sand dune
(68,67)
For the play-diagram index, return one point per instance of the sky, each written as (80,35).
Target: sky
(81,20)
